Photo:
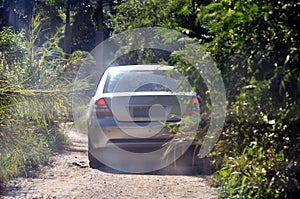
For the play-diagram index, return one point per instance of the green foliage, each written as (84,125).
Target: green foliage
(257,44)
(34,99)
(255,164)
(256,47)
(174,14)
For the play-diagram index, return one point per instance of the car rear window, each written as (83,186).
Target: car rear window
(141,81)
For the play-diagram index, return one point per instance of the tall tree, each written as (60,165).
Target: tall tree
(98,19)
(68,30)
(66,6)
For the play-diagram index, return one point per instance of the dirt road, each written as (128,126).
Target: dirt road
(68,177)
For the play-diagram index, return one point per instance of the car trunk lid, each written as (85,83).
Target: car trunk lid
(147,106)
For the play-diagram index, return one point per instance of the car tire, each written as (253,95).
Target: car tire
(201,165)
(93,162)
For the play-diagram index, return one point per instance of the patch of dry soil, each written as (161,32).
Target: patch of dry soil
(68,176)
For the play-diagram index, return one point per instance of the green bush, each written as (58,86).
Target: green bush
(262,145)
(34,99)
(256,45)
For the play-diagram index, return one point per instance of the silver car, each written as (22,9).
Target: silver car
(136,109)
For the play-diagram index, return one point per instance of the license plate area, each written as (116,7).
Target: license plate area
(140,112)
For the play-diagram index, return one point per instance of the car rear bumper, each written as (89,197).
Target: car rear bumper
(129,135)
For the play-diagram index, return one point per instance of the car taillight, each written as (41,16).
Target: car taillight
(101,109)
(193,107)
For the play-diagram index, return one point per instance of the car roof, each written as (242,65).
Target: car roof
(139,67)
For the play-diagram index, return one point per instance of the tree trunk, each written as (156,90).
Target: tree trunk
(68,33)
(98,17)
(12,16)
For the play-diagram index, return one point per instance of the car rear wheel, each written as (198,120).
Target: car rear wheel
(93,162)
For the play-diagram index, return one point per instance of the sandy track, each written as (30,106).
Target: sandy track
(67,176)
